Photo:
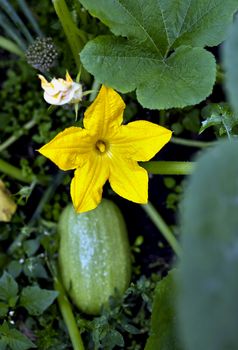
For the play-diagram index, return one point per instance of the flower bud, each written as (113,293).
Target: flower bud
(60,91)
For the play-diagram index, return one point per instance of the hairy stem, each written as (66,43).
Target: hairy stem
(95,88)
(192,143)
(14,172)
(168,168)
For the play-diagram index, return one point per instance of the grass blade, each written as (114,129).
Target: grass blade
(10,46)
(11,31)
(7,7)
(29,15)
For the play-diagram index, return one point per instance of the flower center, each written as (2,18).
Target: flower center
(101,146)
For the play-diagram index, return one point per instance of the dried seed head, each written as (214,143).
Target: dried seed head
(42,54)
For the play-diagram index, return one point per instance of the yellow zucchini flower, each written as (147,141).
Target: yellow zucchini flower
(106,150)
(59,91)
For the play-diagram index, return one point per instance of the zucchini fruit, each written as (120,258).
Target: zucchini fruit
(94,255)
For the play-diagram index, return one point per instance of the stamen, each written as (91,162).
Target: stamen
(101,146)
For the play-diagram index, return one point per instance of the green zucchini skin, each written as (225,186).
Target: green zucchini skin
(94,255)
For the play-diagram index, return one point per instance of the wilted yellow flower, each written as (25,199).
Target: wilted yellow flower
(60,91)
(7,205)
(106,150)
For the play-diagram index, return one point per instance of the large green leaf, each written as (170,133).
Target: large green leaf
(163,334)
(208,283)
(175,83)
(230,58)
(145,59)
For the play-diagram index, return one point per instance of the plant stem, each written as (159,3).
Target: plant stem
(17,174)
(162,227)
(66,311)
(50,191)
(191,143)
(75,37)
(95,89)
(17,135)
(220,76)
(14,172)
(162,116)
(69,27)
(168,168)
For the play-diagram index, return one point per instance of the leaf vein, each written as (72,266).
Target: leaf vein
(141,26)
(183,21)
(197,20)
(164,21)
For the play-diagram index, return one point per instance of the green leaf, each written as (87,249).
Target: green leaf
(33,268)
(8,289)
(30,246)
(13,339)
(220,116)
(175,83)
(37,300)
(112,339)
(25,193)
(14,268)
(230,59)
(145,60)
(3,309)
(214,120)
(208,284)
(163,335)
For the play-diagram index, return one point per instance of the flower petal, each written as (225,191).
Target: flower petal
(74,93)
(105,113)
(44,82)
(47,86)
(69,149)
(53,99)
(86,186)
(140,140)
(77,93)
(68,77)
(61,84)
(129,180)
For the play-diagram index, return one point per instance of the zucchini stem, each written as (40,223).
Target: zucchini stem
(162,227)
(66,311)
(192,143)
(14,172)
(168,167)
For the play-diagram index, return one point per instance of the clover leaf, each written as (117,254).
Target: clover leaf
(160,49)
